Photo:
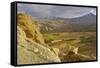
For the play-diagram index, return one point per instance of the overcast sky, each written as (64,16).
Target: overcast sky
(41,11)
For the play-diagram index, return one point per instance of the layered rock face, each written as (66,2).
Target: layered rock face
(30,43)
(30,28)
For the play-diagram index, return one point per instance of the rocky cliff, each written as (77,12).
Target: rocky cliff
(30,43)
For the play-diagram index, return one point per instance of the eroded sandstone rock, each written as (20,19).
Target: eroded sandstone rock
(30,48)
(30,28)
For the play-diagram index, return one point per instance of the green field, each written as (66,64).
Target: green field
(84,41)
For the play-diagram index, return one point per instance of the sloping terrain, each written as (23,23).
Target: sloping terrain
(86,23)
(40,41)
(73,46)
(31,48)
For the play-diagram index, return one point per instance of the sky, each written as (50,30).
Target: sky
(43,11)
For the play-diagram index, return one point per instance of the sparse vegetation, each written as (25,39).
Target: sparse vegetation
(85,41)
(39,41)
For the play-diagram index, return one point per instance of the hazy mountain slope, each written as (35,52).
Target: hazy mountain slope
(47,25)
(85,23)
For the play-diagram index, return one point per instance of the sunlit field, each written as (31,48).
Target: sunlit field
(84,41)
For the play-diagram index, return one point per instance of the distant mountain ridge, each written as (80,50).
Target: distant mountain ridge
(84,23)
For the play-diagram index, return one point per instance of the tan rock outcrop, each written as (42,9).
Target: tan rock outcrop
(30,27)
(30,43)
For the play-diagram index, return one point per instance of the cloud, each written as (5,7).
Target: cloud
(70,12)
(34,10)
(42,11)
(93,11)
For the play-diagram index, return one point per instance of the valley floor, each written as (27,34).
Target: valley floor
(83,44)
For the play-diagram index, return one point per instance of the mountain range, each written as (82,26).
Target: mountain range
(85,23)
